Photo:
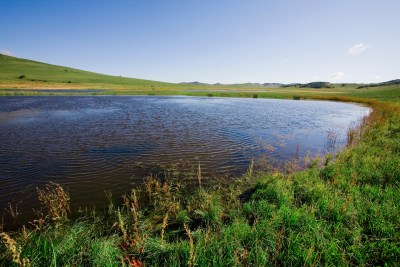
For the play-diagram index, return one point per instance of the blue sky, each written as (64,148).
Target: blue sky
(233,41)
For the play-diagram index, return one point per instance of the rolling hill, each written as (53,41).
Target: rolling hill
(23,73)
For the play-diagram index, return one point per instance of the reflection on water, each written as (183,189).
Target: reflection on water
(93,144)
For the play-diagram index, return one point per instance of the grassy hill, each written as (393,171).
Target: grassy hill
(22,73)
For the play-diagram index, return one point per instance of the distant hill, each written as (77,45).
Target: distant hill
(273,85)
(317,85)
(392,82)
(291,85)
(270,85)
(195,83)
(310,85)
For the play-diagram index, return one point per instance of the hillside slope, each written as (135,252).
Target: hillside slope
(22,73)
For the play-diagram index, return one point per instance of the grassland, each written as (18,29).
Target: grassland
(316,212)
(27,74)
(48,78)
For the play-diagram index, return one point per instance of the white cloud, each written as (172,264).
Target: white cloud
(7,53)
(358,48)
(338,76)
(378,77)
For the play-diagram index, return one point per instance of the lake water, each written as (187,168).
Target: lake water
(107,143)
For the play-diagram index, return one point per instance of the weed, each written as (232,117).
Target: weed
(199,176)
(332,139)
(14,250)
(56,201)
(192,256)
(13,211)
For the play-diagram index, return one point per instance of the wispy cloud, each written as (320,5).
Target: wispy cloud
(7,53)
(358,48)
(337,76)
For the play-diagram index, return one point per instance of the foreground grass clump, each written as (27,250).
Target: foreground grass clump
(332,212)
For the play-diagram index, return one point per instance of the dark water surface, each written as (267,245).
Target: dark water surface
(93,144)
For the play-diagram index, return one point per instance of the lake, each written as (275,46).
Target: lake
(107,143)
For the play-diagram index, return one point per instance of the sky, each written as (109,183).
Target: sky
(213,41)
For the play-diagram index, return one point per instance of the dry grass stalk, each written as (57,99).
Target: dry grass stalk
(192,256)
(310,250)
(278,246)
(135,213)
(164,225)
(132,239)
(25,232)
(250,170)
(15,250)
(199,176)
(161,194)
(40,223)
(13,211)
(332,139)
(121,226)
(56,200)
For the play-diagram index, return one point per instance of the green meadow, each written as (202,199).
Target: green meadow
(323,211)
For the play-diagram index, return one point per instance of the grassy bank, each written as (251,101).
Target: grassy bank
(317,212)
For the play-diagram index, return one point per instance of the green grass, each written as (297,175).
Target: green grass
(37,75)
(334,212)
(74,245)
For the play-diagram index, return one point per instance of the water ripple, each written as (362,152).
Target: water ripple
(97,144)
